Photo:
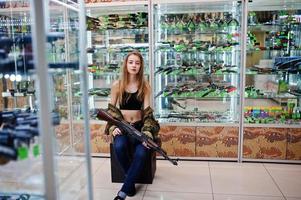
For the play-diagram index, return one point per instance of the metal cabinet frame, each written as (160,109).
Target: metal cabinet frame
(39,15)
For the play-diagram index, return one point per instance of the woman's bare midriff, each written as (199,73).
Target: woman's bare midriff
(132,115)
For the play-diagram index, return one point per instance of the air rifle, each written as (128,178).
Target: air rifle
(125,126)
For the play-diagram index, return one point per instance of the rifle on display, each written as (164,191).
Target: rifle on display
(18,130)
(125,126)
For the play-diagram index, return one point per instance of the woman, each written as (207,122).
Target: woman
(132,93)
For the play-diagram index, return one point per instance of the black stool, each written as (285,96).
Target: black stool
(147,174)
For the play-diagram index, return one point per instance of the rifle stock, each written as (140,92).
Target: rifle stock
(103,115)
(125,126)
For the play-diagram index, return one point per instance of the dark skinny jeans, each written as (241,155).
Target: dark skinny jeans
(123,145)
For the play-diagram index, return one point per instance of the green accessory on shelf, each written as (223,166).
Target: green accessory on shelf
(179,26)
(233,23)
(202,26)
(22,153)
(165,94)
(213,25)
(78,94)
(283,13)
(36,150)
(282,86)
(191,26)
(294,116)
(172,26)
(298,115)
(252,13)
(180,47)
(164,25)
(282,119)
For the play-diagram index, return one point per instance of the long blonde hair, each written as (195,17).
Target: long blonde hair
(124,78)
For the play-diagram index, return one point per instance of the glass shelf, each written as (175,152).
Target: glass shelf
(181,74)
(190,51)
(275,97)
(194,33)
(272,73)
(200,98)
(194,117)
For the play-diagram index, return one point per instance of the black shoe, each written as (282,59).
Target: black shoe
(118,198)
(132,193)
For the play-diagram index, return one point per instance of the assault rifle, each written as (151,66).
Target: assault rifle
(125,126)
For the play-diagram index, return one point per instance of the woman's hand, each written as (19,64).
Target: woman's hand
(116,131)
(145,144)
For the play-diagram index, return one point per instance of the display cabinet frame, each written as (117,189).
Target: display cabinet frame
(39,35)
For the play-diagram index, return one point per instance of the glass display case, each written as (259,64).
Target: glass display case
(32,162)
(210,100)
(17,89)
(271,113)
(273,79)
(114,30)
(197,62)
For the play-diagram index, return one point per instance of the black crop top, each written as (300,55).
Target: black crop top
(130,101)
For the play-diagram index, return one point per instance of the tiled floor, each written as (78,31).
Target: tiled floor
(194,180)
(190,180)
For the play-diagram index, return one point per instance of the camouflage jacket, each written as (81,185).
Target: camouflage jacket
(150,126)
